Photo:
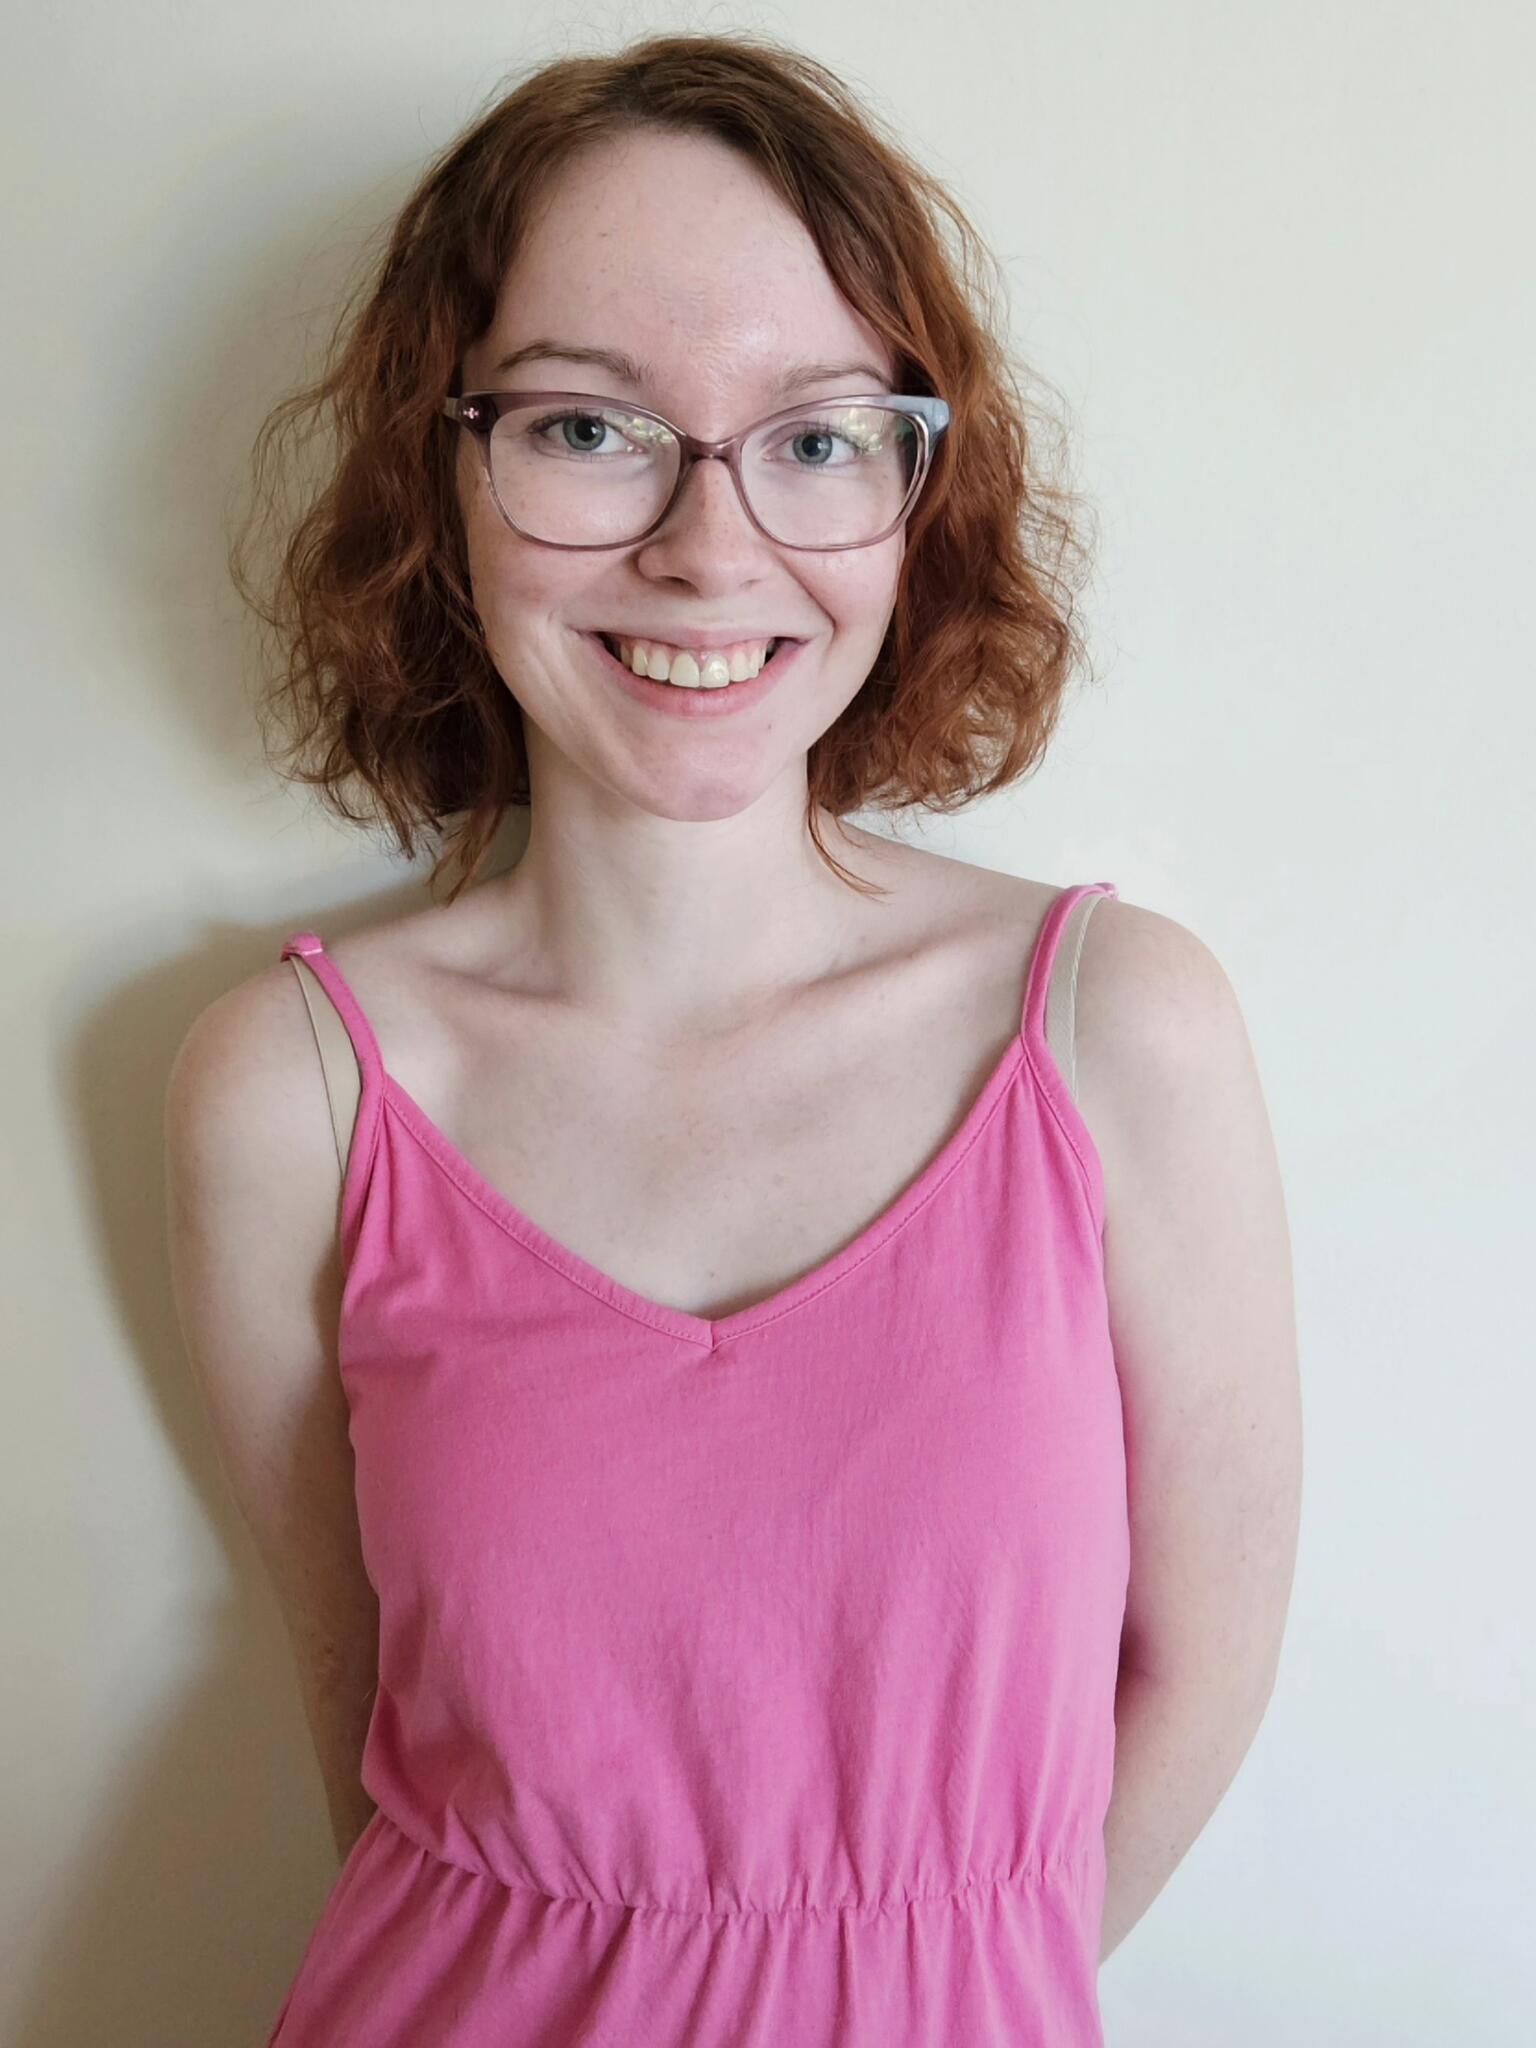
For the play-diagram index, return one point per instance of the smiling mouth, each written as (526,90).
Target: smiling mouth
(691,677)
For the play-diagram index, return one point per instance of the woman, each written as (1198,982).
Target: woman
(790,1405)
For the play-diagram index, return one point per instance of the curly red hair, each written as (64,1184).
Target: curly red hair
(383,682)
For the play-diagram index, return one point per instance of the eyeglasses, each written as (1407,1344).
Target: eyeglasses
(570,470)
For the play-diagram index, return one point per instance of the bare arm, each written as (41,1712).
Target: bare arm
(252,1182)
(1202,1318)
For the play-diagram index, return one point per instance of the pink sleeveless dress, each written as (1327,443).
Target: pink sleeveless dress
(746,1681)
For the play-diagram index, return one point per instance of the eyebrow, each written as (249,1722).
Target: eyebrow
(638,374)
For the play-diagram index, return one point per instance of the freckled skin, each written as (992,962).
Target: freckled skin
(718,311)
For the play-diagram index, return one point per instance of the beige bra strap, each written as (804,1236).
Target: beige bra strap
(338,1061)
(1061,991)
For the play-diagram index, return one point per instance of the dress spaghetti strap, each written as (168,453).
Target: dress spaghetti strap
(310,948)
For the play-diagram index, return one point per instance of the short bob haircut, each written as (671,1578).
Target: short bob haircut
(383,687)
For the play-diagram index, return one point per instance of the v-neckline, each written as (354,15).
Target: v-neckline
(709,1331)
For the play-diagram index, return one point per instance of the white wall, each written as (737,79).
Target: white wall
(1278,261)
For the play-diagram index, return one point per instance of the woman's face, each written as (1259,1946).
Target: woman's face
(671,249)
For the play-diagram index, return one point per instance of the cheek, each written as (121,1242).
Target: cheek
(513,583)
(860,595)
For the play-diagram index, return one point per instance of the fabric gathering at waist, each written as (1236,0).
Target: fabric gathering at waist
(1028,1874)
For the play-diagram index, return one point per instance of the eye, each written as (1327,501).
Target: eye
(586,440)
(854,440)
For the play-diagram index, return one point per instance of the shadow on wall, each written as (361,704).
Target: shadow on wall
(177,1916)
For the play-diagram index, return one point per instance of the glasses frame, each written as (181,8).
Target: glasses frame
(478,411)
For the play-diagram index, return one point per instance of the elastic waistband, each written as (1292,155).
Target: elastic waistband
(1042,1873)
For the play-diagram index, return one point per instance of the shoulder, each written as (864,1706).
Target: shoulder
(245,1115)
(240,1050)
(1167,1080)
(1148,987)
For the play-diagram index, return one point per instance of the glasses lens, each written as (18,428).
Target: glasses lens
(592,474)
(833,476)
(836,475)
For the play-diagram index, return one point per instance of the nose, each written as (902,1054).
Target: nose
(708,530)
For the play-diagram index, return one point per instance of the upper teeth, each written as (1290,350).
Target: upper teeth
(693,669)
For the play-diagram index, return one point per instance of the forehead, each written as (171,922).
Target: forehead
(673,249)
